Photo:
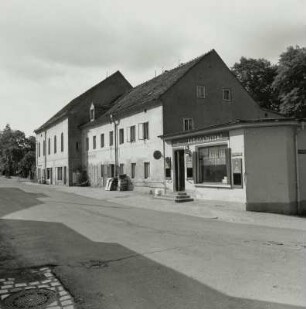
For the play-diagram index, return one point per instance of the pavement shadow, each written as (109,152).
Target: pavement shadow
(108,275)
(10,200)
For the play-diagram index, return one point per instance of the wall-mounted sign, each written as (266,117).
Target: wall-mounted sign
(201,139)
(157,154)
(236,154)
(237,166)
(302,151)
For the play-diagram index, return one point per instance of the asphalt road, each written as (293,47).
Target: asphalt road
(114,256)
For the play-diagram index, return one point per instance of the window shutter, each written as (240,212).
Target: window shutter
(128,134)
(140,131)
(228,165)
(195,166)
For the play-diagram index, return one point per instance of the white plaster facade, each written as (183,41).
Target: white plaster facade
(138,152)
(48,158)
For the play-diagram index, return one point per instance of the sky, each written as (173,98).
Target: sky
(53,50)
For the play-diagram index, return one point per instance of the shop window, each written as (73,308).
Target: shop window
(214,166)
(201,92)
(102,140)
(146,170)
(111,138)
(227,94)
(187,124)
(94,142)
(121,136)
(59,173)
(102,170)
(133,170)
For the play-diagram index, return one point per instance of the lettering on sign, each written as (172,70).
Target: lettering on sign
(201,139)
(302,151)
(237,154)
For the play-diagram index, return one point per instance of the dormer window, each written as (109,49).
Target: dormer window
(92,112)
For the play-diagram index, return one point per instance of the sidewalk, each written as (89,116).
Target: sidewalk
(216,210)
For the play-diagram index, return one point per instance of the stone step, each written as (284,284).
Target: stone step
(178,197)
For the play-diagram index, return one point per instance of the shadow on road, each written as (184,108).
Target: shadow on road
(10,200)
(107,275)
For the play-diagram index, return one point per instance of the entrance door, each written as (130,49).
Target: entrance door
(179,170)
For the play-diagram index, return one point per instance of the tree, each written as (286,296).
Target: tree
(14,145)
(290,81)
(257,76)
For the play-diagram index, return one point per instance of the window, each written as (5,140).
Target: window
(168,168)
(146,170)
(87,143)
(49,146)
(44,148)
(111,170)
(94,142)
(227,95)
(49,173)
(77,146)
(92,112)
(143,130)
(111,138)
(102,140)
(214,164)
(133,170)
(62,142)
(39,149)
(121,136)
(59,173)
(102,170)
(131,134)
(187,124)
(201,92)
(121,169)
(55,144)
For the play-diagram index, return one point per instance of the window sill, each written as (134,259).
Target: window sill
(213,185)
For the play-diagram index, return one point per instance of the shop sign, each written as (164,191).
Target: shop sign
(237,154)
(201,139)
(302,151)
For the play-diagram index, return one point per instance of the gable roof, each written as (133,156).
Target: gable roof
(148,93)
(84,97)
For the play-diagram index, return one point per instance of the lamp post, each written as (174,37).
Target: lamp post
(116,123)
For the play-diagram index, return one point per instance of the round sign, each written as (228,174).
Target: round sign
(157,154)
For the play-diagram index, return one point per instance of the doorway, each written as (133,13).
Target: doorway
(179,165)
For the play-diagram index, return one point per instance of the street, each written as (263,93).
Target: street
(112,255)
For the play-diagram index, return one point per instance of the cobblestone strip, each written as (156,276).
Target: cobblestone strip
(64,299)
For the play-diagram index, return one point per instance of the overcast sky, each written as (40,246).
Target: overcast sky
(53,50)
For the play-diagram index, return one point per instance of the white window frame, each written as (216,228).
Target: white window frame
(190,121)
(229,90)
(201,92)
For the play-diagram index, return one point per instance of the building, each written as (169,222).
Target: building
(58,141)
(195,128)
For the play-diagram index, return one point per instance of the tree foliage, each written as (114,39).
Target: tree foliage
(290,81)
(280,87)
(257,76)
(17,153)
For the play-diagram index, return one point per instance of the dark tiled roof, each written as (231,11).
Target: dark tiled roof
(143,95)
(92,94)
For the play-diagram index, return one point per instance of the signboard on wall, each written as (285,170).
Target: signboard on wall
(201,139)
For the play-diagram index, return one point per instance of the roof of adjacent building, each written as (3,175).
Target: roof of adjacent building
(90,93)
(239,123)
(149,92)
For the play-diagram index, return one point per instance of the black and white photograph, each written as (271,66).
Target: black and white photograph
(152,154)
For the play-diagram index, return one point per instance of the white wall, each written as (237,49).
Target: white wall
(270,169)
(58,159)
(137,152)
